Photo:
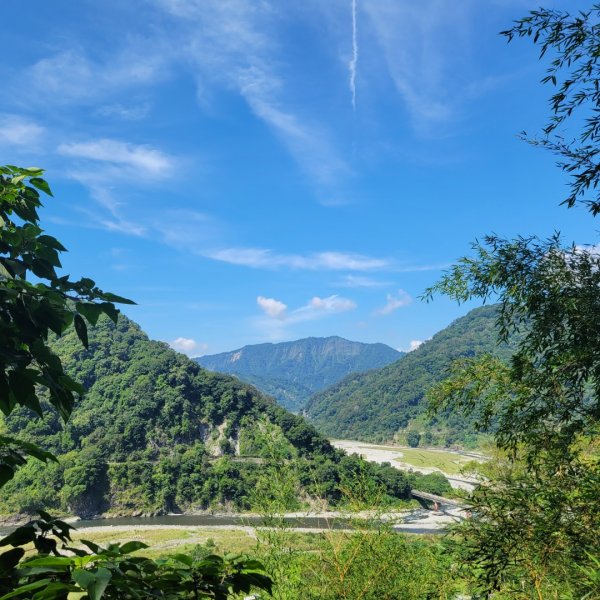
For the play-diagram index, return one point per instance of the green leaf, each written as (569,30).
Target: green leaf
(90,310)
(183,558)
(92,546)
(110,311)
(47,564)
(132,546)
(51,242)
(19,537)
(41,184)
(81,329)
(10,559)
(24,589)
(114,298)
(6,474)
(95,583)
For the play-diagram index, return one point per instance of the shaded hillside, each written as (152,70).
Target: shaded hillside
(292,371)
(156,432)
(379,404)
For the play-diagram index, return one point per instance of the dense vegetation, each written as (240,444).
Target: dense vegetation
(292,371)
(381,404)
(153,420)
(535,525)
(155,432)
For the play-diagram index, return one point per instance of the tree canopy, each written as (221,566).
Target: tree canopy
(536,521)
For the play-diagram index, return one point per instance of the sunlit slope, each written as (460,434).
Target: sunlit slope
(154,432)
(157,433)
(379,404)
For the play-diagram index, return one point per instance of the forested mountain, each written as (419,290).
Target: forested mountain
(156,432)
(379,404)
(292,371)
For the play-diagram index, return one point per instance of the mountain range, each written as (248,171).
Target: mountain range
(292,372)
(383,403)
(157,433)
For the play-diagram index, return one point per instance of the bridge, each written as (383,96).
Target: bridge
(437,500)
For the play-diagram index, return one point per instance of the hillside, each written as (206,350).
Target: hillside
(157,433)
(292,371)
(379,404)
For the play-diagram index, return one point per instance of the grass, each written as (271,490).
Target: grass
(447,462)
(171,540)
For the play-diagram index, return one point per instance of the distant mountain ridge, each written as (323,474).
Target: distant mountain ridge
(380,404)
(292,371)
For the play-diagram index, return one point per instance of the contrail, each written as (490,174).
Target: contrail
(354,60)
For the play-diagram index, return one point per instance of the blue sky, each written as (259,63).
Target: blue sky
(262,170)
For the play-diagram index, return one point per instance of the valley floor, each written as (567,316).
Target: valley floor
(429,460)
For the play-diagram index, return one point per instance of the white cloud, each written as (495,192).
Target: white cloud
(273,308)
(359,281)
(264,258)
(315,308)
(421,43)
(414,344)
(320,307)
(70,77)
(188,346)
(233,44)
(101,165)
(354,60)
(19,131)
(394,302)
(127,113)
(141,158)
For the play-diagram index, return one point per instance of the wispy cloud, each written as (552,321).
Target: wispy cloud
(16,130)
(233,44)
(360,281)
(421,268)
(69,76)
(414,344)
(354,59)
(394,302)
(421,45)
(134,112)
(103,166)
(321,307)
(267,259)
(145,159)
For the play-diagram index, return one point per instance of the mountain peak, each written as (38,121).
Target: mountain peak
(292,371)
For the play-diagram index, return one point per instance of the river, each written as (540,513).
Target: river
(415,522)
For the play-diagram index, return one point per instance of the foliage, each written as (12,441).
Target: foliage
(549,395)
(359,556)
(31,310)
(292,371)
(375,406)
(413,438)
(572,42)
(155,433)
(535,523)
(29,313)
(58,570)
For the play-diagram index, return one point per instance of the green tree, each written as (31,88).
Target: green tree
(573,42)
(413,438)
(536,522)
(34,302)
